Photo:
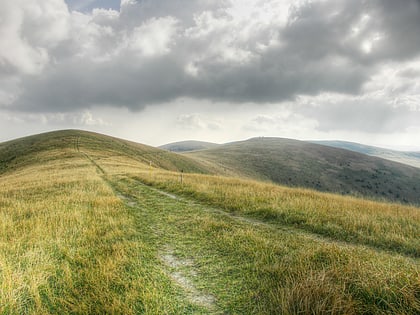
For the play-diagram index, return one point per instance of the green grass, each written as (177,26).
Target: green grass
(22,152)
(263,269)
(68,245)
(81,233)
(386,226)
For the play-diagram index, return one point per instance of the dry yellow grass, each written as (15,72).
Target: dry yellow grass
(388,226)
(256,266)
(59,226)
(69,245)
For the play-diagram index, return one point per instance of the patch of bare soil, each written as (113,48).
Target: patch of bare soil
(181,271)
(127,200)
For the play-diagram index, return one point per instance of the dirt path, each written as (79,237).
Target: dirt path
(210,261)
(255,222)
(182,271)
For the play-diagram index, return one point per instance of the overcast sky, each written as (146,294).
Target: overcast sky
(157,71)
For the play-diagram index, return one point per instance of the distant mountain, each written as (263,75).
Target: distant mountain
(405,157)
(190,145)
(304,164)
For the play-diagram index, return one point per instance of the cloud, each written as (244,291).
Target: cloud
(196,122)
(363,114)
(409,73)
(28,30)
(286,123)
(157,51)
(89,5)
(76,119)
(153,38)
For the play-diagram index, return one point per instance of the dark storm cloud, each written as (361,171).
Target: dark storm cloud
(399,21)
(115,83)
(156,51)
(340,28)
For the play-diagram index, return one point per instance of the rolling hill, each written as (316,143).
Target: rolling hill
(20,152)
(189,145)
(283,161)
(405,157)
(302,164)
(91,224)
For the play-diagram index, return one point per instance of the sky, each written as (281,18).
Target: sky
(159,71)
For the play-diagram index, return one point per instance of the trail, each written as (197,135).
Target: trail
(275,227)
(185,260)
(180,271)
(129,200)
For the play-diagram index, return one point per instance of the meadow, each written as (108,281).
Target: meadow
(389,226)
(69,245)
(88,226)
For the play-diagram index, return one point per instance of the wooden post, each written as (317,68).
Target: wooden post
(181,179)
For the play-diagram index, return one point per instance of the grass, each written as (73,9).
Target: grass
(81,233)
(302,164)
(392,227)
(262,269)
(68,245)
(23,152)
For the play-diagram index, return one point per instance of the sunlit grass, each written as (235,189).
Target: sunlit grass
(387,226)
(71,244)
(264,269)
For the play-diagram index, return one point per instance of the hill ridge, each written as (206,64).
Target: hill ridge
(302,164)
(283,161)
(411,158)
(21,151)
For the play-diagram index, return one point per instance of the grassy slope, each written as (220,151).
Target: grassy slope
(21,152)
(385,226)
(256,268)
(409,158)
(68,244)
(80,233)
(302,164)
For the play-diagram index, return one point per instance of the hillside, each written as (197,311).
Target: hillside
(87,226)
(302,164)
(189,145)
(405,157)
(21,152)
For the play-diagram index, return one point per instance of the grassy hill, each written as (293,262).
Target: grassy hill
(21,152)
(189,145)
(87,226)
(405,157)
(303,164)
